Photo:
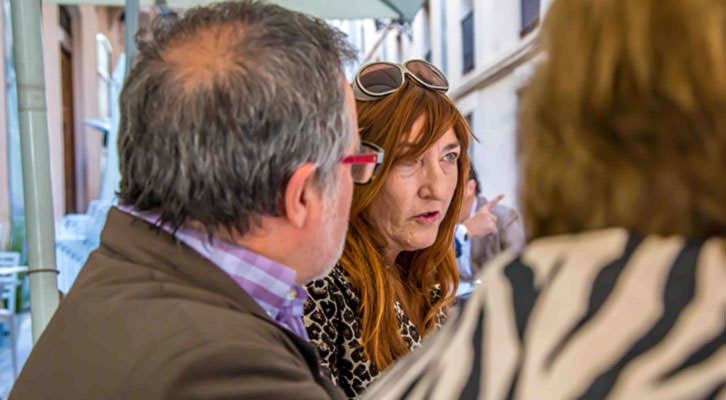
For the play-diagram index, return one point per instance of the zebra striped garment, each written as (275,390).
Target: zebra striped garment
(598,315)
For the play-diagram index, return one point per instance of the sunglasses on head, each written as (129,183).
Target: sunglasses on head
(379,79)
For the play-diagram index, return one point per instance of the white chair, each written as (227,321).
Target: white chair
(8,284)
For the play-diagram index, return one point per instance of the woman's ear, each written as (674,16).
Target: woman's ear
(299,196)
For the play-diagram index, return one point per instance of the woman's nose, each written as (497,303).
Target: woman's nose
(432,184)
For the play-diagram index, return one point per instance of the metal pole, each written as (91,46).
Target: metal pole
(131,18)
(40,230)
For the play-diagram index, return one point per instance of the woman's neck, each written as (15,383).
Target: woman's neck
(389,257)
(403,295)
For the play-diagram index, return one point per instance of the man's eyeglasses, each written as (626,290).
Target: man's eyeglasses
(365,163)
(379,79)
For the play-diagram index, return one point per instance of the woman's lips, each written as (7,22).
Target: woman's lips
(428,217)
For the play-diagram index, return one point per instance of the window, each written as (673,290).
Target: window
(530,15)
(467,41)
(65,19)
(103,72)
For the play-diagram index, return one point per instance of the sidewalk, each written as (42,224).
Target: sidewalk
(24,344)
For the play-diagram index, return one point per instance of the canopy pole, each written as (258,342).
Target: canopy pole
(40,230)
(131,18)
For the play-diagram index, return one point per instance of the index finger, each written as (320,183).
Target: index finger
(494,202)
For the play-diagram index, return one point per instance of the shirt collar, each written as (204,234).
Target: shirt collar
(271,284)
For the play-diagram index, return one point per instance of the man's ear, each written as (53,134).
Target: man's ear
(300,194)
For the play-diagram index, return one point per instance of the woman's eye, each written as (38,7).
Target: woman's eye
(406,167)
(453,156)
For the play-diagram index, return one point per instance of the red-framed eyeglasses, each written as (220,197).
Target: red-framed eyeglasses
(365,163)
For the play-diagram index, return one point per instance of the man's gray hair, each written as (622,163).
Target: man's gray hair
(218,145)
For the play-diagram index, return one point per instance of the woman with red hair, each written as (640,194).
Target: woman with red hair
(398,271)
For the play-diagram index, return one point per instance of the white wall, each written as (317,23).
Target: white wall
(437,45)
(496,29)
(495,127)
(453,41)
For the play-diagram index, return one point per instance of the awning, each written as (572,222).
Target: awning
(327,9)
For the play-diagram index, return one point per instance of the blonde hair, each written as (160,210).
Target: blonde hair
(624,122)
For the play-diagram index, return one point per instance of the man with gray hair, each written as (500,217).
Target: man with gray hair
(237,143)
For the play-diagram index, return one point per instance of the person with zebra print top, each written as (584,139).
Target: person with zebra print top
(603,314)
(620,292)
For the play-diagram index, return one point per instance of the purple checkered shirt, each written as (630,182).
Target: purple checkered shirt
(270,284)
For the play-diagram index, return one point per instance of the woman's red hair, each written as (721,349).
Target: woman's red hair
(387,123)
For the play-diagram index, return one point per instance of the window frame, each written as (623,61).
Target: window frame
(528,25)
(467,67)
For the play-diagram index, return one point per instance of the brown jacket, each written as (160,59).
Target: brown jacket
(149,318)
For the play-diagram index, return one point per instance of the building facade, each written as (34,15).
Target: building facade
(487,49)
(81,46)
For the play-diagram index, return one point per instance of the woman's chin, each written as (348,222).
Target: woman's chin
(422,244)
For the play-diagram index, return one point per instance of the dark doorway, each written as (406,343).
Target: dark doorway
(69,136)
